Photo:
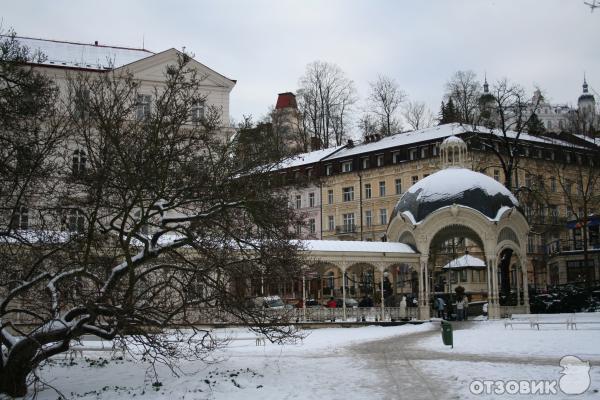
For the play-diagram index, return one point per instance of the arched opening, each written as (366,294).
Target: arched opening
(457,268)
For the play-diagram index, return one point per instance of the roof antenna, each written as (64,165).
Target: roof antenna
(143,45)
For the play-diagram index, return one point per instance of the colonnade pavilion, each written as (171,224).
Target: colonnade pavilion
(453,202)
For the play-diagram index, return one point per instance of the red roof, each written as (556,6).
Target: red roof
(286,100)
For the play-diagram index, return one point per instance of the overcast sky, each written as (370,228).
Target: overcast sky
(265,45)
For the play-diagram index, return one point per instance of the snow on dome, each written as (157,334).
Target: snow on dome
(455,186)
(464,262)
(453,140)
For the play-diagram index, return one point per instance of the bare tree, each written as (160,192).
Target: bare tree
(385,99)
(509,112)
(325,98)
(417,115)
(367,125)
(155,222)
(464,90)
(577,172)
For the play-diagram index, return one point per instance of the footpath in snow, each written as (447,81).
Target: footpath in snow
(407,361)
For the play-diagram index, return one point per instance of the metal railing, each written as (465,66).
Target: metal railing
(346,228)
(560,246)
(209,316)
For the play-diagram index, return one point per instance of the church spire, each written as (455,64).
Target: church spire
(585,85)
(486,87)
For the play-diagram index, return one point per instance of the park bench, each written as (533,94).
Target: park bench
(96,346)
(536,320)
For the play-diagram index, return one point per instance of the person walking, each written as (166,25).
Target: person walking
(465,307)
(460,306)
(440,305)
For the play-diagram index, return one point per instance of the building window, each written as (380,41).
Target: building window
(298,201)
(553,184)
(348,220)
(554,214)
(312,227)
(75,220)
(424,152)
(368,191)
(381,188)
(142,107)
(78,163)
(383,216)
(330,196)
(398,185)
(365,162)
(549,124)
(197,111)
(348,193)
(396,157)
(412,154)
(497,175)
(368,218)
(311,199)
(380,160)
(20,219)
(298,230)
(415,179)
(347,166)
(528,180)
(331,222)
(328,169)
(82,104)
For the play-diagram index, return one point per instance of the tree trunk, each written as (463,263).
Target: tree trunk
(13,381)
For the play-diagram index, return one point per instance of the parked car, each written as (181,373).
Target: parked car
(271,302)
(350,303)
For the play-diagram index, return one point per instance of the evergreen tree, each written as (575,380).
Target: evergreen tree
(535,126)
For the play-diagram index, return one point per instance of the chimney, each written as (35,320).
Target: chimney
(315,143)
(95,43)
(350,143)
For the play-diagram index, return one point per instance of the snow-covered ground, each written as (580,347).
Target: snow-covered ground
(407,361)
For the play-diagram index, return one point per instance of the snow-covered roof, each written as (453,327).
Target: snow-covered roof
(401,139)
(455,186)
(83,55)
(465,261)
(433,133)
(351,246)
(307,158)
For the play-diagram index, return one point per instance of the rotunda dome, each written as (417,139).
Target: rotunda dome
(459,186)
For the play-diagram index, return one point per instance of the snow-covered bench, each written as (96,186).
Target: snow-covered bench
(535,320)
(96,346)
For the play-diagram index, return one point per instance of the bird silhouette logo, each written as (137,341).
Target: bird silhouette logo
(575,377)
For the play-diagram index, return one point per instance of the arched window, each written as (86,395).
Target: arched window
(330,280)
(79,163)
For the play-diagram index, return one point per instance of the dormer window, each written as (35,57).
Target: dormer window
(347,166)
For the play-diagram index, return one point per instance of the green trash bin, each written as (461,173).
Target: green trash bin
(447,334)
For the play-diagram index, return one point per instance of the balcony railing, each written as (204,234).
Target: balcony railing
(561,246)
(346,228)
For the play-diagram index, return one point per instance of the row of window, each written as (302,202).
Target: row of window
(397,157)
(73,221)
(348,192)
(348,221)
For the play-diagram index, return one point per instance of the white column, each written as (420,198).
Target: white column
(424,312)
(343,268)
(304,296)
(493,304)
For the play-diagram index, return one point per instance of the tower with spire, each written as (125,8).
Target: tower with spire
(586,102)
